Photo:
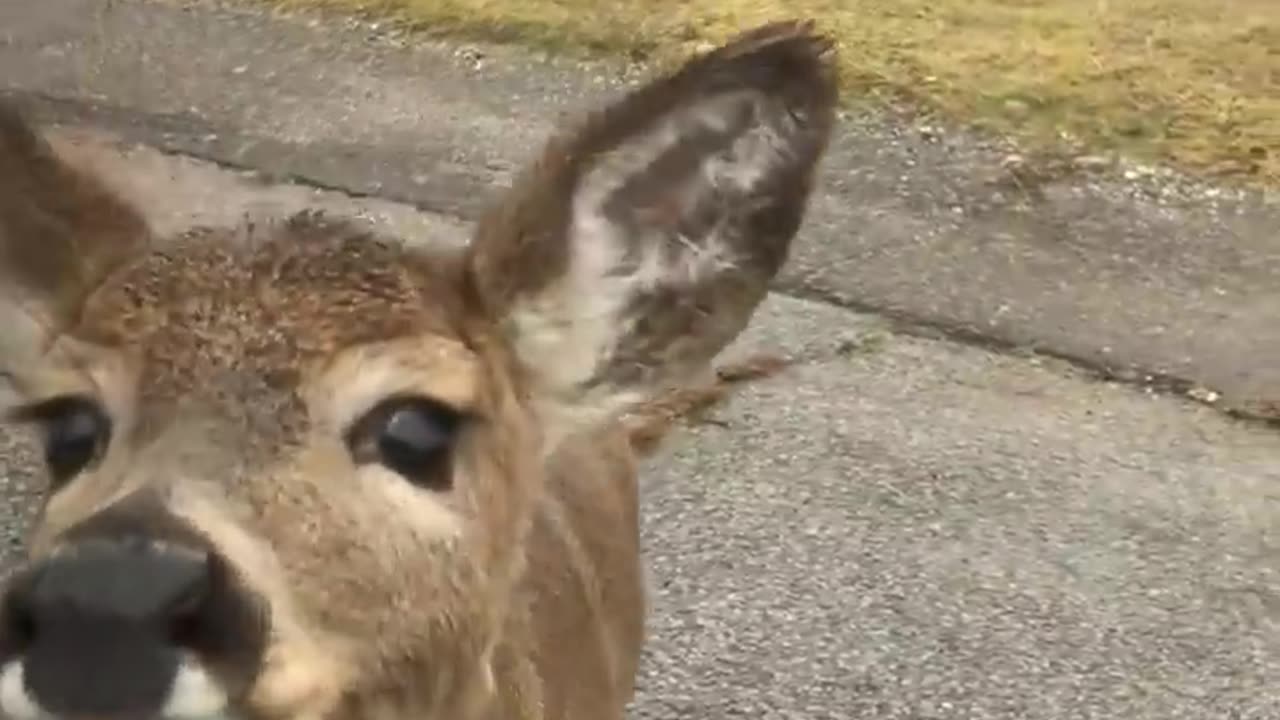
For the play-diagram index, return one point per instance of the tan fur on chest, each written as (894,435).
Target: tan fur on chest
(298,472)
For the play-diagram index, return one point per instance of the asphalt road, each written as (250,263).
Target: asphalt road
(897,527)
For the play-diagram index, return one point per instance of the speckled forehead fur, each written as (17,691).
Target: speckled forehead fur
(232,318)
(230,326)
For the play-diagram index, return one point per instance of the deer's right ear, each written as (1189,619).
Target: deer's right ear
(642,241)
(61,232)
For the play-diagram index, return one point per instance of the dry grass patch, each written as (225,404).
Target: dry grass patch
(1195,83)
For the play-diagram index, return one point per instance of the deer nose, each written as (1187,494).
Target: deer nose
(129,581)
(102,624)
(134,615)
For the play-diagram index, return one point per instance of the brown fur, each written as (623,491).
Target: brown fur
(230,362)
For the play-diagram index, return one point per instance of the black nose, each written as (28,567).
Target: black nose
(103,622)
(103,625)
(129,581)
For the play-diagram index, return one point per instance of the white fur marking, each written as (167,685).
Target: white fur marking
(429,517)
(195,695)
(15,702)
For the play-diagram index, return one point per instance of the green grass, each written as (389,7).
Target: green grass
(1190,83)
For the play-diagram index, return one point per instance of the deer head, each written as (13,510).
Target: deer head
(300,471)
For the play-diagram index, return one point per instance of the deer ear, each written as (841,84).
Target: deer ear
(61,232)
(639,245)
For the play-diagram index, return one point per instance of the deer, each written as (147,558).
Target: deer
(297,470)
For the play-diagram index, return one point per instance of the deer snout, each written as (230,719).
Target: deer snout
(124,622)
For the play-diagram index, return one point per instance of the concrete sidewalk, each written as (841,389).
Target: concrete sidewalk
(897,527)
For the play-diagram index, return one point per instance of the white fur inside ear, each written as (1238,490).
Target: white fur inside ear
(571,329)
(15,702)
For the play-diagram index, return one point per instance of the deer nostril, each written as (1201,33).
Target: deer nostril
(19,625)
(184,619)
(184,630)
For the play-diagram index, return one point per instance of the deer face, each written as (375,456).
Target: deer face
(293,469)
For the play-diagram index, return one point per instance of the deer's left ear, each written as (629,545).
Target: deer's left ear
(640,244)
(61,232)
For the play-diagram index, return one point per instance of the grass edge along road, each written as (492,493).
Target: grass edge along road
(1186,83)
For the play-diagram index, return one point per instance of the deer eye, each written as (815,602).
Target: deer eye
(75,431)
(411,436)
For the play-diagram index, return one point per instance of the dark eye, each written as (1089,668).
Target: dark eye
(410,436)
(75,432)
